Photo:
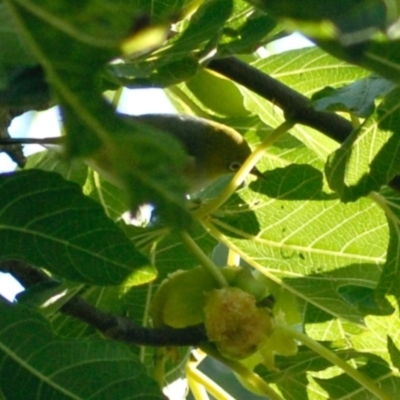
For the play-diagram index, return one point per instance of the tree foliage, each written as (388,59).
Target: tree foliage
(317,236)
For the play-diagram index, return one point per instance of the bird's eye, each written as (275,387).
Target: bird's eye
(234,166)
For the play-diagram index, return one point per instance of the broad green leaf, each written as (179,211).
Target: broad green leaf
(374,336)
(367,159)
(65,232)
(342,385)
(377,330)
(294,374)
(47,366)
(293,231)
(358,98)
(309,70)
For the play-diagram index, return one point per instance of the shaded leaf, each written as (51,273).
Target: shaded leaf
(47,366)
(14,50)
(363,298)
(357,98)
(292,374)
(394,352)
(246,30)
(77,242)
(348,17)
(375,368)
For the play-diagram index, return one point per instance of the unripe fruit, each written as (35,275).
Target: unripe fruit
(180,299)
(234,322)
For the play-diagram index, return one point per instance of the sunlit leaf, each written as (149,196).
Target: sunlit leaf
(361,164)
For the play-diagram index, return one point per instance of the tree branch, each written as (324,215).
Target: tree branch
(295,106)
(15,150)
(114,327)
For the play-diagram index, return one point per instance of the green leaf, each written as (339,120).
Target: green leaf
(48,366)
(292,375)
(65,232)
(292,229)
(375,368)
(358,98)
(204,26)
(394,352)
(362,32)
(217,94)
(14,50)
(363,298)
(367,159)
(348,17)
(246,30)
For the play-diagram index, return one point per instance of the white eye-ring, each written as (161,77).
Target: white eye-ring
(234,166)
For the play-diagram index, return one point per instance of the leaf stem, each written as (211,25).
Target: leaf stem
(205,261)
(246,168)
(246,374)
(198,381)
(363,380)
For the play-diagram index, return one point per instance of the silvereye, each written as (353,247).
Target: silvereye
(214,149)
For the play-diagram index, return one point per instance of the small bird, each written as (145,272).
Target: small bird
(214,149)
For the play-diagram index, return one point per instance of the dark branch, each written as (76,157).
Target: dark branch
(295,106)
(20,141)
(114,327)
(15,150)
